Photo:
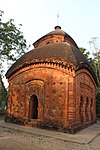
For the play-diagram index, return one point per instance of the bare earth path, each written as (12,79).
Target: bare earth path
(15,137)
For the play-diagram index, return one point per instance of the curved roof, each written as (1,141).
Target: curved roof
(62,51)
(58,31)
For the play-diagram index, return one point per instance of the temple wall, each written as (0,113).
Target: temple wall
(66,101)
(47,90)
(53,85)
(85,97)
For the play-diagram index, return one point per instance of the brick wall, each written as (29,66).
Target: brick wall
(59,92)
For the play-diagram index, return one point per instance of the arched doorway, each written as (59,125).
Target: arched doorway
(33,107)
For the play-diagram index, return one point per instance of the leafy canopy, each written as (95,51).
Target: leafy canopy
(12,42)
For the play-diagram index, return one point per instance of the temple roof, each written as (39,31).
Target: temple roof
(64,51)
(57,31)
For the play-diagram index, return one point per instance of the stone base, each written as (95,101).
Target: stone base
(55,126)
(13,119)
(72,129)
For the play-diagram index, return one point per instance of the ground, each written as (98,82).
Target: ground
(15,137)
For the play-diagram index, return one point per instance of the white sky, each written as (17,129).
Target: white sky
(78,18)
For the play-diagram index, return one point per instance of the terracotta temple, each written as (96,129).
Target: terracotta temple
(52,86)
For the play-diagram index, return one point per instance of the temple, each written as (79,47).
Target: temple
(52,86)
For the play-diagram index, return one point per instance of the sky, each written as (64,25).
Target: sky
(78,18)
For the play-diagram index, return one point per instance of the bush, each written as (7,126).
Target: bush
(2,111)
(98,102)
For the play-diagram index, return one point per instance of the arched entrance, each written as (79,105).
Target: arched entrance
(33,107)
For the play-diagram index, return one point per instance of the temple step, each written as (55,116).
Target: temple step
(32,123)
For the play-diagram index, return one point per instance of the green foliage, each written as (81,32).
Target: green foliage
(12,46)
(87,56)
(3,94)
(95,49)
(98,102)
(97,64)
(85,52)
(2,111)
(12,42)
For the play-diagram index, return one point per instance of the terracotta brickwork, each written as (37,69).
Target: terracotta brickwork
(59,92)
(50,40)
(50,92)
(85,95)
(49,85)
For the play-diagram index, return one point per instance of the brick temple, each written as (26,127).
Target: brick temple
(52,86)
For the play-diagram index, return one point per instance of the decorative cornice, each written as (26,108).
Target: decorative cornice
(50,61)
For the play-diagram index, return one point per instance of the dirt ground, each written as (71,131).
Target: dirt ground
(11,139)
(16,143)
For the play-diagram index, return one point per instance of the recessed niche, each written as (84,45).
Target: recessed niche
(47,96)
(54,91)
(54,83)
(53,99)
(47,83)
(60,95)
(48,42)
(61,83)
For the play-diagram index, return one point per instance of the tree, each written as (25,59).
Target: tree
(87,56)
(98,102)
(95,48)
(3,94)
(97,64)
(96,60)
(12,42)
(84,52)
(12,46)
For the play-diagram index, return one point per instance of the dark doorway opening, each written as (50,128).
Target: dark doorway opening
(34,107)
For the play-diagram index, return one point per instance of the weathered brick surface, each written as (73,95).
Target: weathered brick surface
(58,91)
(60,96)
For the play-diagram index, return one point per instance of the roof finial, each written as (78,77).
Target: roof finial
(57,27)
(58,18)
